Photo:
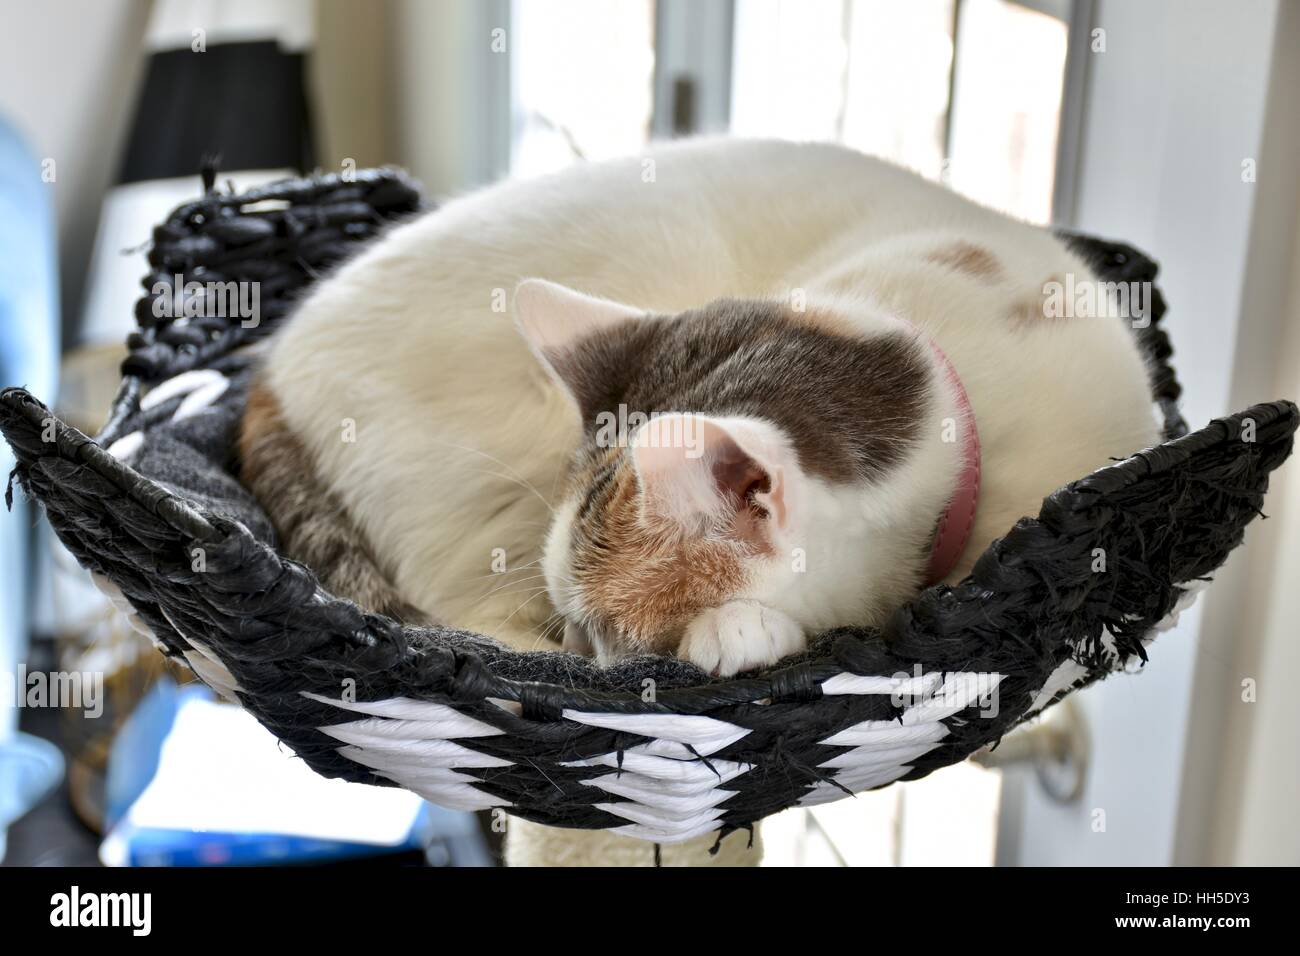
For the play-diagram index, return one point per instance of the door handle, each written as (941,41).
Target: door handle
(1056,746)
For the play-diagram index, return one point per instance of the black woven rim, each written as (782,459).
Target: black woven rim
(1166,516)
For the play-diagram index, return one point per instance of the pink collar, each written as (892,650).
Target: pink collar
(958,517)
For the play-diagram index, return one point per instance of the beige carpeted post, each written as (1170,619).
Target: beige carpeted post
(531,844)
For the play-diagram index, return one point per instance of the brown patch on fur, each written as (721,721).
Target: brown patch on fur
(1031,310)
(1027,312)
(851,404)
(643,578)
(968,258)
(313,525)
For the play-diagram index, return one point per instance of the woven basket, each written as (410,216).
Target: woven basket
(651,747)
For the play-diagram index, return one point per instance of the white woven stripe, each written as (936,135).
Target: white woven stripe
(200,399)
(854,780)
(453,796)
(208,666)
(202,387)
(705,734)
(882,753)
(656,817)
(406,708)
(429,769)
(644,790)
(668,748)
(958,691)
(666,835)
(913,687)
(410,742)
(434,779)
(381,728)
(126,446)
(883,733)
(874,758)
(379,753)
(683,772)
(1066,675)
(673,788)
(425,773)
(193,382)
(884,750)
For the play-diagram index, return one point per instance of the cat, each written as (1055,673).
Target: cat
(708,401)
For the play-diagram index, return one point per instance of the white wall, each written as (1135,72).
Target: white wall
(347,75)
(1252,756)
(449,110)
(68,75)
(1241,790)
(1174,104)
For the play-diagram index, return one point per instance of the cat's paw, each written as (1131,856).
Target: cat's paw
(739,636)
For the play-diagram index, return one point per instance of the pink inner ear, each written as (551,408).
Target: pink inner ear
(736,474)
(692,469)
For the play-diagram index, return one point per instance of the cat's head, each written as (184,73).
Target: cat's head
(740,450)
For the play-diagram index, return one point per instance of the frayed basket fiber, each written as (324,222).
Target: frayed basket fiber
(652,747)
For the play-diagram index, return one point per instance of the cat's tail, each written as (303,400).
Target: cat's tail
(313,525)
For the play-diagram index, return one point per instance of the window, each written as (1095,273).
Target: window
(873,74)
(1006,107)
(583,74)
(968,91)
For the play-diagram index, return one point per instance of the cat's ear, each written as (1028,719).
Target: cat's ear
(698,470)
(553,318)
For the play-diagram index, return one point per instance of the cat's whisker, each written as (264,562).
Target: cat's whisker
(551,630)
(501,574)
(521,607)
(516,590)
(514,583)
(522,483)
(502,591)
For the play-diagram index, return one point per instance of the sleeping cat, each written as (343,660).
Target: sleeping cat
(705,402)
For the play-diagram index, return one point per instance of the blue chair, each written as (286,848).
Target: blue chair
(29,354)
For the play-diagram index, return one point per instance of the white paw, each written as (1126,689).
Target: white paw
(739,636)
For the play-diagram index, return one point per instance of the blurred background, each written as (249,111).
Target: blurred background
(1170,124)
